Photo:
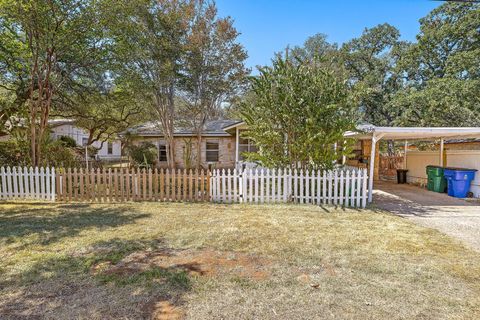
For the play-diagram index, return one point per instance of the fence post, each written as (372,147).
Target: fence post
(364,189)
(347,187)
(54,185)
(235,185)
(209,195)
(21,178)
(307,186)
(3,194)
(229,186)
(341,188)
(15,182)
(244,186)
(359,188)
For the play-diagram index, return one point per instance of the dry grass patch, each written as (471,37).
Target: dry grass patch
(199,261)
(194,262)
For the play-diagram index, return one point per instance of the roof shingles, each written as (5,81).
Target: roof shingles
(212,128)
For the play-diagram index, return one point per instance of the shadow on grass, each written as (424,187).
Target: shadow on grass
(51,224)
(48,288)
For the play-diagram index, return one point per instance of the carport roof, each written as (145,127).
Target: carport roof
(366,132)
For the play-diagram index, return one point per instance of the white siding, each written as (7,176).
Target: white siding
(79,134)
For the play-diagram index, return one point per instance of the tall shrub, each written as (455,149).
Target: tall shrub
(297,115)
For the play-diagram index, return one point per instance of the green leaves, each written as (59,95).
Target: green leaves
(443,70)
(298,112)
(371,61)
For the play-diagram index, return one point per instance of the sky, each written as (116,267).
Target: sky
(268,26)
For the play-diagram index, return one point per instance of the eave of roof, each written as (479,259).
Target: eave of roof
(413,133)
(179,135)
(237,124)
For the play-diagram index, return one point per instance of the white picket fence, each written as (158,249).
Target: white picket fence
(27,183)
(342,187)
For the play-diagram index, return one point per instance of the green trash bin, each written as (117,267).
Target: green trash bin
(436,181)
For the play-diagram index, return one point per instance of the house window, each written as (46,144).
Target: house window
(212,151)
(162,152)
(245,145)
(109,148)
(84,141)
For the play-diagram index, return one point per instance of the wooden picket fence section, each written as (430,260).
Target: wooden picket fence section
(338,187)
(343,187)
(27,183)
(120,185)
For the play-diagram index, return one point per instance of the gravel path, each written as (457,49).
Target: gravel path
(455,217)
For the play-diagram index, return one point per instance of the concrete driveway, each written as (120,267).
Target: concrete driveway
(454,217)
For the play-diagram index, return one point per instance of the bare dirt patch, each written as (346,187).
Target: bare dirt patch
(204,262)
(195,262)
(165,310)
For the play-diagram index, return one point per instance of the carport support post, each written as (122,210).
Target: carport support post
(405,155)
(237,142)
(372,168)
(375,139)
(441,152)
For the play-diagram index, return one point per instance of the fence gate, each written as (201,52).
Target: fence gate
(337,187)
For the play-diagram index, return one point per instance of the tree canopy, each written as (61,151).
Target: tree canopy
(442,69)
(113,63)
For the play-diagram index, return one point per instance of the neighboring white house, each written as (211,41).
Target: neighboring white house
(111,150)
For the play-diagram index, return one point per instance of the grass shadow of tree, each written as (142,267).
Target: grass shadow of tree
(48,225)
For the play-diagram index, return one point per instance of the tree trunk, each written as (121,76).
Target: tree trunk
(391,147)
(33,137)
(199,151)
(200,141)
(171,152)
(164,106)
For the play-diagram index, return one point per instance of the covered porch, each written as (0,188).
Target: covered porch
(241,145)
(372,135)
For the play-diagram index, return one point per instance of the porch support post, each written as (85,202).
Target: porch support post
(441,152)
(237,141)
(405,155)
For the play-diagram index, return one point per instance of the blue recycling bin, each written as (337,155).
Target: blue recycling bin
(458,181)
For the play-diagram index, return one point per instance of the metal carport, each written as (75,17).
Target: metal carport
(375,134)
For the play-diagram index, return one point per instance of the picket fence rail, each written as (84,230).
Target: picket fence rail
(343,187)
(27,183)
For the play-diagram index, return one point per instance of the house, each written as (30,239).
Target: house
(222,144)
(110,150)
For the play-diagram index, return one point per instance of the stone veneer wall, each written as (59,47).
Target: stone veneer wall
(226,145)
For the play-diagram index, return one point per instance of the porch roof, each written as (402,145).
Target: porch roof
(366,132)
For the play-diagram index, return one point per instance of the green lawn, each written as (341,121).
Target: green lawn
(204,261)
